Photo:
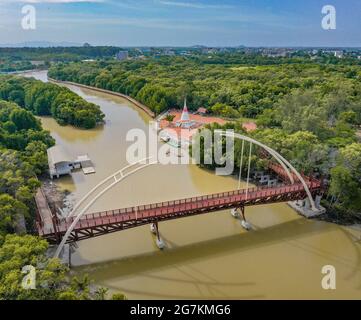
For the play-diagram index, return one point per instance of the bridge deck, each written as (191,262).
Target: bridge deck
(114,220)
(44,212)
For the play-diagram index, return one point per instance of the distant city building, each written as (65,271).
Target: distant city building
(339,54)
(274,52)
(122,55)
(169,53)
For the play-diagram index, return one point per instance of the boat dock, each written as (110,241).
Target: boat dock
(45,215)
(85,164)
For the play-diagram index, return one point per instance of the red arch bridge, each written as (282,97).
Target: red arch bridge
(100,223)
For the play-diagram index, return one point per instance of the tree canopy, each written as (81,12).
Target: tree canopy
(47,99)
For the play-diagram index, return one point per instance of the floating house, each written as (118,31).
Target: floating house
(60,163)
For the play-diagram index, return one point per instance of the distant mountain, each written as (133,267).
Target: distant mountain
(40,44)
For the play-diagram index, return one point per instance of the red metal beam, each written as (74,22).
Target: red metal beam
(97,224)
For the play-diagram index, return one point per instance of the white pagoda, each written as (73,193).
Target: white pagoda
(185,114)
(185,121)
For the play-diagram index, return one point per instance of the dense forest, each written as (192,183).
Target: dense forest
(310,112)
(46,99)
(229,90)
(8,65)
(23,147)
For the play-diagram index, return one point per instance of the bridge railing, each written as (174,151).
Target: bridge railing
(168,207)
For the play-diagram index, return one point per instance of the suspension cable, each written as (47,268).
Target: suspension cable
(249,166)
(240,167)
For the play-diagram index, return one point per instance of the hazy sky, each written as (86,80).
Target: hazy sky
(183,22)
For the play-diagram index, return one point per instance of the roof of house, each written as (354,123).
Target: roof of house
(249,126)
(202,110)
(58,154)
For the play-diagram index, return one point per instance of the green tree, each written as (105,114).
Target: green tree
(10,210)
(24,120)
(169,118)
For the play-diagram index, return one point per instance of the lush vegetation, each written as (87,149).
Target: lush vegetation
(8,65)
(46,99)
(52,279)
(229,90)
(23,146)
(317,133)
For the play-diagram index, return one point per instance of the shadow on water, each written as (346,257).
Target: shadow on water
(174,254)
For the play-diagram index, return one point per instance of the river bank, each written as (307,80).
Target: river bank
(130,99)
(20,72)
(339,217)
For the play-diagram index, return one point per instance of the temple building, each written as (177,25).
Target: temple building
(185,121)
(184,125)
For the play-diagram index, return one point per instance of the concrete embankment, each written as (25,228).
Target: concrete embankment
(135,102)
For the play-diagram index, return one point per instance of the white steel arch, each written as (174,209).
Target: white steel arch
(281,160)
(83,211)
(103,184)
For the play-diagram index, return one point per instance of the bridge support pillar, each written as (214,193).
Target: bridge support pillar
(246,225)
(155,230)
(234,213)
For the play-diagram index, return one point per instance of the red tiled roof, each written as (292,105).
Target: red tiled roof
(249,126)
(199,121)
(202,110)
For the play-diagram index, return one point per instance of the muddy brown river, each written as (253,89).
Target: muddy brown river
(208,256)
